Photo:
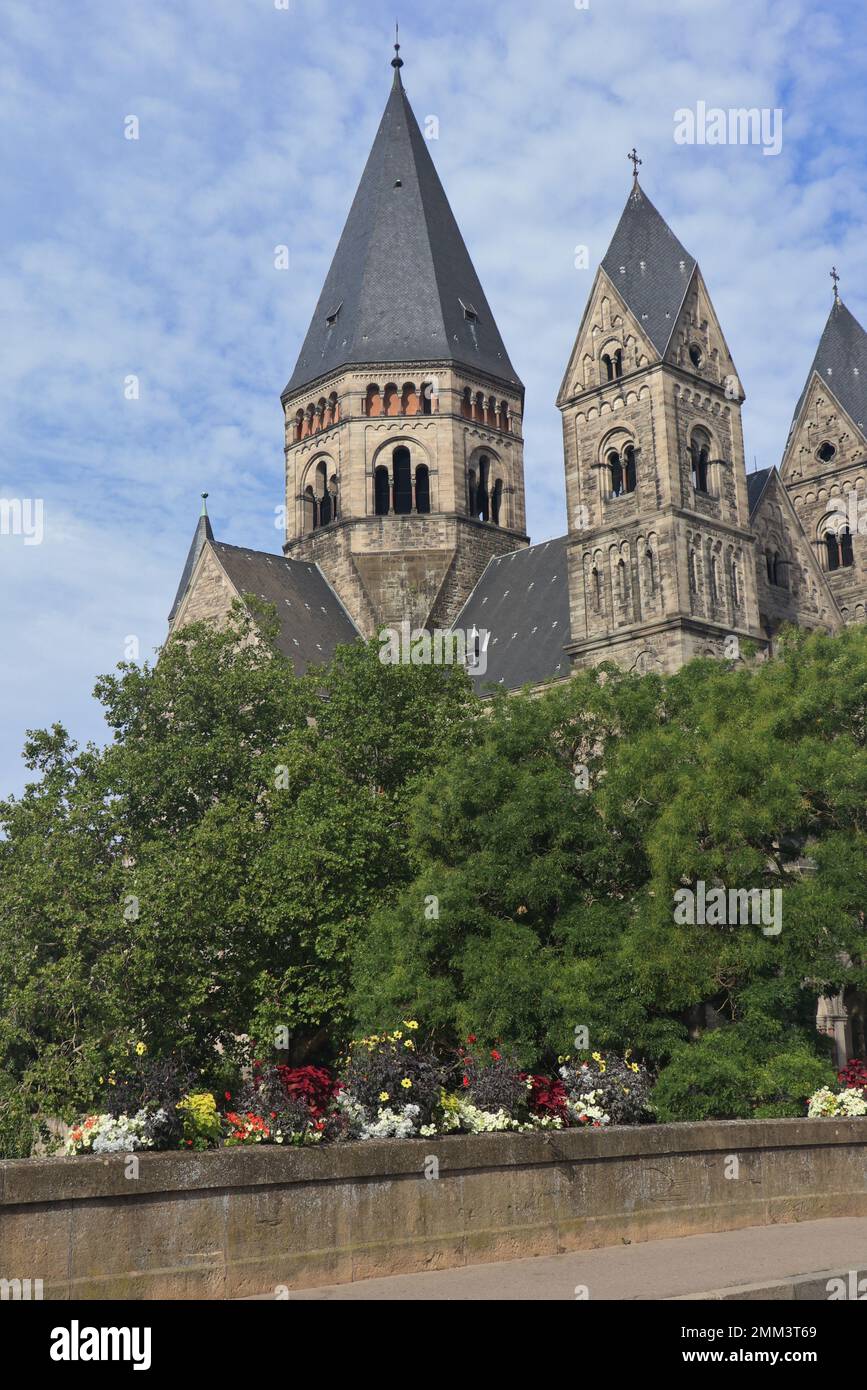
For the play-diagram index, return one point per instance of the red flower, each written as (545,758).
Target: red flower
(228,1095)
(471,1038)
(496,1056)
(466,1081)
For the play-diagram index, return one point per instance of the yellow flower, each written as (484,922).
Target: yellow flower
(410,1044)
(406,1083)
(410,1023)
(597,1056)
(140,1049)
(383,1095)
(398,1035)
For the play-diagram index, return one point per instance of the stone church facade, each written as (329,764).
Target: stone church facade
(404,472)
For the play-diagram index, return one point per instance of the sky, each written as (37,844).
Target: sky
(154,258)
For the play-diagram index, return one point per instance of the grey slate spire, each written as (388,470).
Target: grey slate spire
(649,267)
(401,287)
(841,362)
(202,534)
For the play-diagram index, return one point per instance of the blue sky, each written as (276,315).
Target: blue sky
(155,257)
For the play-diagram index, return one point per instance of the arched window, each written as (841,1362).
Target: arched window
(597,588)
(426,397)
(700,459)
(409,399)
(422,488)
(381,491)
(609,367)
(733,572)
(491,412)
(299,424)
(621,467)
(714,579)
(467,404)
(846,555)
(332,488)
(391,400)
(311,515)
(496,501)
(838,548)
(402,474)
(323,496)
(693,572)
(618,362)
(373,402)
(651,571)
(503,419)
(621,580)
(479,407)
(482,500)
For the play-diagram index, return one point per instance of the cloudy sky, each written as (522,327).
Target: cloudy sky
(154,257)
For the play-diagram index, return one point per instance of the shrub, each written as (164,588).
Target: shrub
(620,1086)
(315,1086)
(19,1127)
(202,1123)
(265,1109)
(726,1075)
(390,1071)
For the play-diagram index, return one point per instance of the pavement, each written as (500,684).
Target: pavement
(657,1269)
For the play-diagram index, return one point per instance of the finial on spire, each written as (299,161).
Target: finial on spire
(204,504)
(397,61)
(835,277)
(633,155)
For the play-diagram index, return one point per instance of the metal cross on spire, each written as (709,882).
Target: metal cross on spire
(633,155)
(397,61)
(835,277)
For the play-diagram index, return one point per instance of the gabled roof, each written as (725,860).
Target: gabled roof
(756,484)
(522,603)
(401,287)
(649,268)
(312,619)
(841,362)
(201,534)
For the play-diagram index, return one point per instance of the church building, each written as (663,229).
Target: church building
(404,469)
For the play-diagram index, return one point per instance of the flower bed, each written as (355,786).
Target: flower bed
(388,1086)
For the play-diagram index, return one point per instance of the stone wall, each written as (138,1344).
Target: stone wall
(237,1222)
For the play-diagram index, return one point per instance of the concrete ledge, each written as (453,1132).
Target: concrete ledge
(236,1222)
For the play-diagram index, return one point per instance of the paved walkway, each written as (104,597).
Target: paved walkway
(653,1269)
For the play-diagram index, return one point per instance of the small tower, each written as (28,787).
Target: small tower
(661,556)
(824,464)
(404,455)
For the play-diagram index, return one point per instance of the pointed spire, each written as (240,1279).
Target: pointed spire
(841,363)
(201,536)
(397,61)
(648,266)
(401,287)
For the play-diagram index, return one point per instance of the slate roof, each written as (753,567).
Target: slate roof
(401,273)
(522,602)
(202,534)
(312,619)
(649,267)
(841,362)
(756,484)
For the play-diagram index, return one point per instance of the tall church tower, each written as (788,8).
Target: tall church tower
(404,452)
(824,466)
(661,555)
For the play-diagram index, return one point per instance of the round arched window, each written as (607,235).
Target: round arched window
(696,356)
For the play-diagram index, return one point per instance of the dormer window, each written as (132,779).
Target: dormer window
(469,312)
(331,318)
(826,451)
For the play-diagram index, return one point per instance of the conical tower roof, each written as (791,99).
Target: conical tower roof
(649,267)
(401,287)
(841,362)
